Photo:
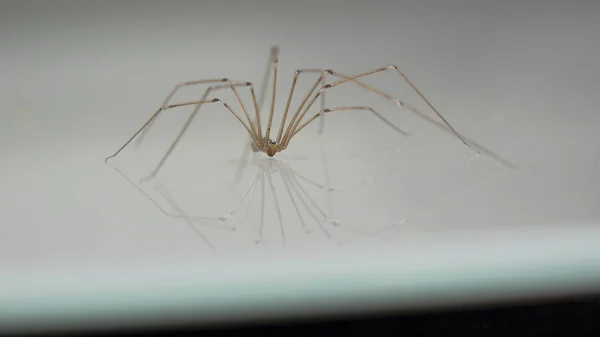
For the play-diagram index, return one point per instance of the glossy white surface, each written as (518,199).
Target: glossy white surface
(519,78)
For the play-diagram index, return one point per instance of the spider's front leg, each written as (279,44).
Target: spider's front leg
(227,84)
(171,106)
(167,99)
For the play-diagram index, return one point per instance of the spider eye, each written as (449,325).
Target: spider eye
(271,142)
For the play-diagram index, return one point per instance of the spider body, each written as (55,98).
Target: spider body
(272,148)
(269,146)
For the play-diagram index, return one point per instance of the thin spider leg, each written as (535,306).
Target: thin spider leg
(208,81)
(170,96)
(291,124)
(291,94)
(308,180)
(287,106)
(444,125)
(255,133)
(215,100)
(349,108)
(398,103)
(273,57)
(146,124)
(258,104)
(322,119)
(270,121)
(243,106)
(189,121)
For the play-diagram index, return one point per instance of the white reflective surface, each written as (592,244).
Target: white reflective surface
(79,79)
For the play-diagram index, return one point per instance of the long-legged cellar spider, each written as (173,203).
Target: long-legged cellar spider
(262,141)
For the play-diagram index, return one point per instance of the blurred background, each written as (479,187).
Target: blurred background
(518,78)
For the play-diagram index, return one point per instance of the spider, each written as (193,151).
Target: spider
(262,142)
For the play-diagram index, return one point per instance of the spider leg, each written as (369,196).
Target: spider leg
(349,108)
(191,118)
(170,96)
(206,81)
(398,103)
(323,73)
(164,108)
(258,105)
(322,119)
(273,58)
(270,120)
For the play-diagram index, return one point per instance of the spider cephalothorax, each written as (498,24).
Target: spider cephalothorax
(270,147)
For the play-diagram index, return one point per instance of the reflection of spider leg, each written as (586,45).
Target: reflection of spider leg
(237,204)
(308,209)
(383,233)
(287,186)
(295,181)
(140,190)
(459,173)
(238,223)
(165,194)
(187,219)
(277,208)
(262,209)
(317,185)
(325,215)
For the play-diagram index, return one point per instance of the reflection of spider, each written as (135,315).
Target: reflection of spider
(293,198)
(262,142)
